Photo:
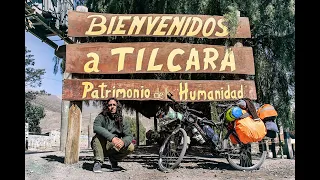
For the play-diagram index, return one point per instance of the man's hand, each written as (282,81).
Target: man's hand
(117,142)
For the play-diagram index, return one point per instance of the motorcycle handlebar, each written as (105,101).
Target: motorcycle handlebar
(169,95)
(195,111)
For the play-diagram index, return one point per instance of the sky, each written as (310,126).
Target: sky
(43,55)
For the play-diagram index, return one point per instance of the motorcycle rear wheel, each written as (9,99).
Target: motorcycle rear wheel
(247,156)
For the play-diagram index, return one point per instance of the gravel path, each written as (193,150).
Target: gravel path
(142,166)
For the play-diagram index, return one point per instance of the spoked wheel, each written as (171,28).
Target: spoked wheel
(173,150)
(248,156)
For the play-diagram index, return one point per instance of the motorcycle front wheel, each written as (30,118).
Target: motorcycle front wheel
(172,150)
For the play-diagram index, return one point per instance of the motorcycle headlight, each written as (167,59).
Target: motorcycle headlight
(190,119)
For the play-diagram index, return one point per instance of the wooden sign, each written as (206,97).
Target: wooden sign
(160,57)
(84,24)
(183,90)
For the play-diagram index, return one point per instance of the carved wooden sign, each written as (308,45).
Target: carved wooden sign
(183,90)
(157,57)
(84,24)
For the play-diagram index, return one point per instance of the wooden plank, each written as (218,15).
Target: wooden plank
(183,90)
(83,24)
(160,57)
(72,144)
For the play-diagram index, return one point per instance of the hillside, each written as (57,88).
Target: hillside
(52,121)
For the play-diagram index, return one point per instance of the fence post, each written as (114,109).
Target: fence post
(137,128)
(26,135)
(288,145)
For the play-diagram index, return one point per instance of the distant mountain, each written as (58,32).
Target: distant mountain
(52,108)
(52,120)
(50,103)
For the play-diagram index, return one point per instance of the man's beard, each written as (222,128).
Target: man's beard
(117,118)
(112,115)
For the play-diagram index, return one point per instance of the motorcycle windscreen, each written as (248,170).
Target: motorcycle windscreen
(173,114)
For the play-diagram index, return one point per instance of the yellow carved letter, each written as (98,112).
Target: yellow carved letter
(162,25)
(229,55)
(151,66)
(176,24)
(205,27)
(171,67)
(113,19)
(136,23)
(139,59)
(94,62)
(122,54)
(120,25)
(88,86)
(225,31)
(196,31)
(102,25)
(209,60)
(193,60)
(151,24)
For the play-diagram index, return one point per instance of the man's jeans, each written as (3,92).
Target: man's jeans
(104,148)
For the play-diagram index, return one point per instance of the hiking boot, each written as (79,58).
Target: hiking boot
(114,166)
(97,167)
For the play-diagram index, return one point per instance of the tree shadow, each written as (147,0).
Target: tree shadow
(88,166)
(37,152)
(147,161)
(148,157)
(54,158)
(61,158)
(211,165)
(151,162)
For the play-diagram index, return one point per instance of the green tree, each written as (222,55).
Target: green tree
(272,26)
(273,43)
(142,129)
(33,113)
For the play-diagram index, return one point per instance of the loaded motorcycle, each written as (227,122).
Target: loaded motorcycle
(184,123)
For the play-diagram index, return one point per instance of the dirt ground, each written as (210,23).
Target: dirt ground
(142,165)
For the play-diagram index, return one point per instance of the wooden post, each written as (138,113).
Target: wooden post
(273,148)
(72,147)
(155,123)
(73,135)
(65,105)
(137,128)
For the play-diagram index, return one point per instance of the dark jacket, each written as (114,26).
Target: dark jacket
(107,128)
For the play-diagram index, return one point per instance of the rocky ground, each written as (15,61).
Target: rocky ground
(48,165)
